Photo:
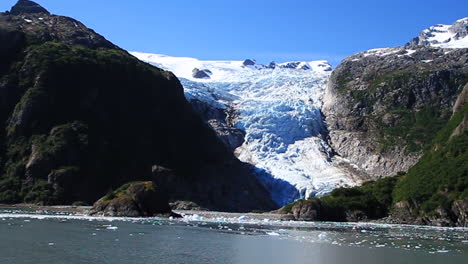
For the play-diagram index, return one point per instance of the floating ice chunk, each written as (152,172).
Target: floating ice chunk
(51,244)
(242,218)
(272,234)
(322,235)
(112,228)
(193,217)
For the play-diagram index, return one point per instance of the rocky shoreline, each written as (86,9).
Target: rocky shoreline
(200,214)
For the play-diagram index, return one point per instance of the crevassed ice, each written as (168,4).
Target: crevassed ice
(279,110)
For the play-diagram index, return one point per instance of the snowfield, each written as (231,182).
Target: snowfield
(446,36)
(279,111)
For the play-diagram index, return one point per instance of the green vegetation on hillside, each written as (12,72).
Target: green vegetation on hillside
(436,181)
(414,129)
(149,186)
(373,198)
(441,176)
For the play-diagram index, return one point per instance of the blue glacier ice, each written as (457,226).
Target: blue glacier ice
(279,111)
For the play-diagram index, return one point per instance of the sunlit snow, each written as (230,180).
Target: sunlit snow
(444,36)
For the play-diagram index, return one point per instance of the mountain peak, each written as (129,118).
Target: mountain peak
(27,7)
(444,36)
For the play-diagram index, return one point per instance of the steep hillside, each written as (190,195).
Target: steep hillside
(384,106)
(79,117)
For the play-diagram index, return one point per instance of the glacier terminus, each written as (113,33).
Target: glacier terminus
(277,109)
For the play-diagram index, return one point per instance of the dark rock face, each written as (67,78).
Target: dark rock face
(307,211)
(272,65)
(402,213)
(133,200)
(249,62)
(83,116)
(27,7)
(407,213)
(221,121)
(316,210)
(201,74)
(383,107)
(295,65)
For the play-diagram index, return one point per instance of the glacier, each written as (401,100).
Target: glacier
(278,107)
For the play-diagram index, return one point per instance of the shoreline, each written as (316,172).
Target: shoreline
(206,214)
(195,215)
(56,208)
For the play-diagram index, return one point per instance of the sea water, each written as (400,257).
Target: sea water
(49,237)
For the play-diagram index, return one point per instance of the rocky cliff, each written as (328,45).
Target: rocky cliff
(401,111)
(79,116)
(384,106)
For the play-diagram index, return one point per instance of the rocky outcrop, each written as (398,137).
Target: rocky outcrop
(307,210)
(460,211)
(401,213)
(461,129)
(316,210)
(406,213)
(462,100)
(383,106)
(249,62)
(201,74)
(136,199)
(221,120)
(295,65)
(82,116)
(27,7)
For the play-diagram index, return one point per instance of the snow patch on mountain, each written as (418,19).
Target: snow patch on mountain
(278,108)
(453,36)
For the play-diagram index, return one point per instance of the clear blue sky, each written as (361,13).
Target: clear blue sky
(265,30)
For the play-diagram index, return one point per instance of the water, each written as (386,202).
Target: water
(26,238)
